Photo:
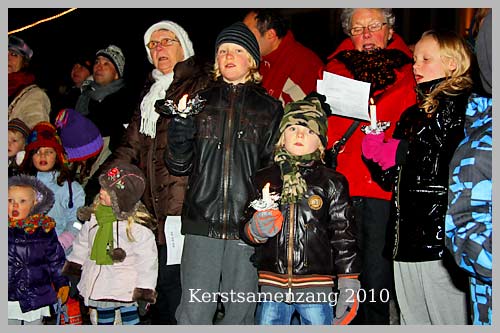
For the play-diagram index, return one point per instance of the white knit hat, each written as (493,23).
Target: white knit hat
(179,32)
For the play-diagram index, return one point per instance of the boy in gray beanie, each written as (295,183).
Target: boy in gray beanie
(220,148)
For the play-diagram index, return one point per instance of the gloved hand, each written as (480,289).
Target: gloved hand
(374,148)
(63,293)
(66,239)
(180,135)
(347,301)
(265,224)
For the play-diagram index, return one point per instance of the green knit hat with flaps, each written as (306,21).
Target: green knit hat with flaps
(308,113)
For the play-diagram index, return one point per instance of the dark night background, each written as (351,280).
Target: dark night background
(56,43)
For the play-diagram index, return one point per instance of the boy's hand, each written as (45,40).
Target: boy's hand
(265,224)
(63,293)
(347,302)
(180,135)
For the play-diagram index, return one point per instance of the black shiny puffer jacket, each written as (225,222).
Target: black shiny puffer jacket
(420,184)
(319,230)
(235,136)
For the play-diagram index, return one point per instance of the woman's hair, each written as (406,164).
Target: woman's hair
(30,169)
(281,143)
(253,73)
(452,47)
(346,18)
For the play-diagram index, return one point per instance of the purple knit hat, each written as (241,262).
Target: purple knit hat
(20,47)
(81,139)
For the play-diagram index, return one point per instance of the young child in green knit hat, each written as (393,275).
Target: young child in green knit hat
(309,240)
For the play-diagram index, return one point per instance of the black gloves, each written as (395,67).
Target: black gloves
(180,135)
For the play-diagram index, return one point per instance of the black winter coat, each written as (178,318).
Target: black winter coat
(420,180)
(35,264)
(236,134)
(319,229)
(110,114)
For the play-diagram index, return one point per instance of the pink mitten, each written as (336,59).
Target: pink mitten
(386,157)
(66,239)
(371,145)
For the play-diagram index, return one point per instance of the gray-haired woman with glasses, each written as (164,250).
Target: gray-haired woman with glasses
(373,53)
(168,49)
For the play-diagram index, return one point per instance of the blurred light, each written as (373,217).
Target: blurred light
(42,21)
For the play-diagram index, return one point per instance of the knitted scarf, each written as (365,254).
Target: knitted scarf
(149,116)
(32,222)
(103,240)
(377,67)
(18,81)
(96,92)
(294,186)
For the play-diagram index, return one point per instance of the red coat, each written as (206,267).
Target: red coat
(290,72)
(390,104)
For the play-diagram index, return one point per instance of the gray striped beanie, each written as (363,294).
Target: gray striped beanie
(115,54)
(238,33)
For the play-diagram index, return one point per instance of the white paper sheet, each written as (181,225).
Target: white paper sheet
(346,97)
(174,239)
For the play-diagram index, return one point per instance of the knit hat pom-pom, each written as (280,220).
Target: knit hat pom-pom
(118,254)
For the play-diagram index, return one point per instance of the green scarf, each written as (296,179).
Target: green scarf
(103,240)
(294,186)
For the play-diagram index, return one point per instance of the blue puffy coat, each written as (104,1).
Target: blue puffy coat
(35,265)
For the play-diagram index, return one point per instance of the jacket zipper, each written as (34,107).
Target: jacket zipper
(398,209)
(99,273)
(227,153)
(291,230)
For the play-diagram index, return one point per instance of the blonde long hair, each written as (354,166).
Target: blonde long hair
(453,47)
(140,215)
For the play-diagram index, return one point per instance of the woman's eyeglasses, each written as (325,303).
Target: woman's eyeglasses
(164,42)
(374,27)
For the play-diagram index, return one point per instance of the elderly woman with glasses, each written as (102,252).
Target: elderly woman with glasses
(373,53)
(175,73)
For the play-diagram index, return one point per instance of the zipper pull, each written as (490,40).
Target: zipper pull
(289,296)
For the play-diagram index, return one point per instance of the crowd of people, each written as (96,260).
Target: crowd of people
(276,227)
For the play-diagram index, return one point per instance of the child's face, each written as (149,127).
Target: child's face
(428,63)
(104,197)
(233,61)
(21,201)
(300,140)
(16,142)
(44,159)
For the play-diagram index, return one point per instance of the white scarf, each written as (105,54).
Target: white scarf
(158,90)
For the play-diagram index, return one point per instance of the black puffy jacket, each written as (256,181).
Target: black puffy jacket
(318,236)
(420,183)
(235,136)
